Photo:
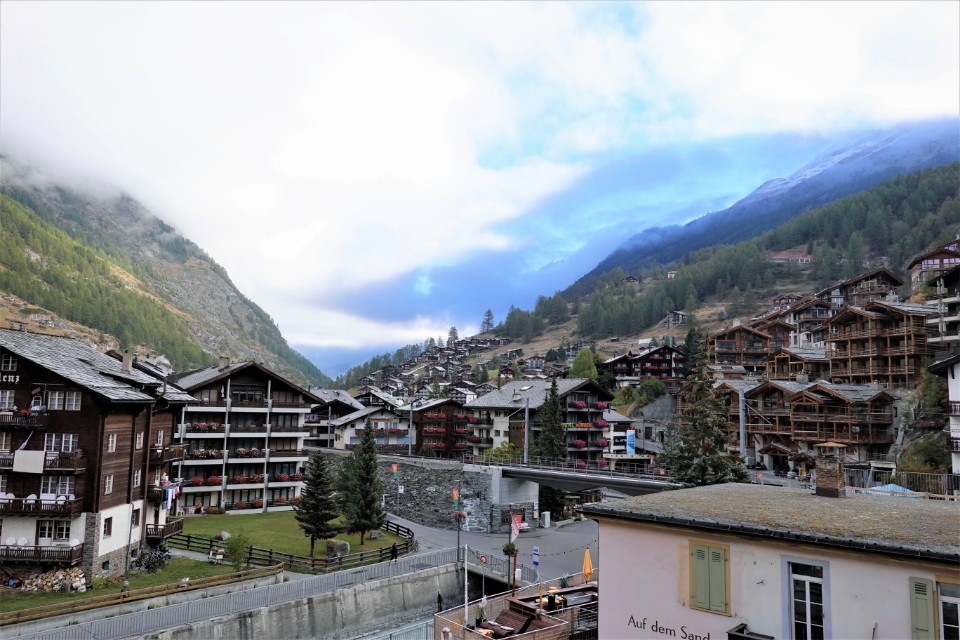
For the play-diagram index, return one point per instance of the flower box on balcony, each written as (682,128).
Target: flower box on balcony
(473,439)
(213,481)
(601,442)
(579,444)
(196,481)
(602,462)
(258,477)
(580,464)
(584,425)
(239,479)
(580,404)
(258,503)
(601,424)
(473,419)
(298,476)
(601,405)
(283,477)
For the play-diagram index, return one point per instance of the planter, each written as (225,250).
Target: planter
(214,481)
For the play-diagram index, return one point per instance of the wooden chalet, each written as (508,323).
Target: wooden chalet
(943,326)
(663,363)
(442,426)
(931,264)
(809,319)
(884,343)
(798,364)
(85,455)
(334,404)
(862,289)
(740,345)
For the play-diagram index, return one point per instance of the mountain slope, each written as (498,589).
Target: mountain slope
(104,261)
(850,167)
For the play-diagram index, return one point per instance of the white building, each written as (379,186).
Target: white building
(950,369)
(748,561)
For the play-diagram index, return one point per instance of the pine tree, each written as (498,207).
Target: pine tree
(317,506)
(365,511)
(487,324)
(552,443)
(695,449)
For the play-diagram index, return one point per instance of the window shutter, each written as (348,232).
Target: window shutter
(921,609)
(718,580)
(700,566)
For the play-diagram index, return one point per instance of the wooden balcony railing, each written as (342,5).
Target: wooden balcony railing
(167,454)
(165,531)
(53,554)
(29,421)
(54,461)
(40,507)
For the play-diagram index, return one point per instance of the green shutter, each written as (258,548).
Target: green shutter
(718,580)
(921,609)
(700,566)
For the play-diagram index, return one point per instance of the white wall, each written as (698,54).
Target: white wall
(121,533)
(869,595)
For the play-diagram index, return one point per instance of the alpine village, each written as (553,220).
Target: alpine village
(765,432)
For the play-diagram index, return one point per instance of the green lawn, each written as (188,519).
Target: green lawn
(176,569)
(277,530)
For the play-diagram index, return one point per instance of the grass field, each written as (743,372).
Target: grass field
(277,530)
(177,568)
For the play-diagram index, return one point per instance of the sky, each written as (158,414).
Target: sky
(372,174)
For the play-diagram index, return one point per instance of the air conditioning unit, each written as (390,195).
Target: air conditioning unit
(855,429)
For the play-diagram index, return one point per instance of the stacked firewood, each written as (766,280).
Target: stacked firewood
(68,579)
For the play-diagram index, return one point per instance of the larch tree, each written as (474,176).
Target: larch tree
(317,506)
(583,365)
(552,443)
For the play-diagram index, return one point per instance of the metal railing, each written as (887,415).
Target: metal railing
(149,621)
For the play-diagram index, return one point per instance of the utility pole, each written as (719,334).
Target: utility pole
(526,430)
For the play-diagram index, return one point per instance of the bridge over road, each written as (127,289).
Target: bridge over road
(569,479)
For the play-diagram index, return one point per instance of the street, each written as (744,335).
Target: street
(561,547)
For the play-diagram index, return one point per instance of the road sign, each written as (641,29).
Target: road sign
(536,556)
(483,559)
(400,489)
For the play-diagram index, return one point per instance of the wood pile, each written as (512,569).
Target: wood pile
(64,579)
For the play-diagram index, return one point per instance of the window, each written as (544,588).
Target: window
(135,518)
(923,601)
(58,485)
(108,484)
(5,441)
(111,442)
(107,526)
(160,438)
(139,440)
(56,529)
(66,442)
(806,610)
(136,477)
(72,402)
(3,484)
(54,400)
(8,363)
(6,398)
(708,577)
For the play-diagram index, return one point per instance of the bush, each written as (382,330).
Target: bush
(214,511)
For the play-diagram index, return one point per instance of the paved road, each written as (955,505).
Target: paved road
(561,547)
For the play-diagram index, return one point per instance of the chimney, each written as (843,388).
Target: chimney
(516,396)
(831,482)
(127,361)
(223,362)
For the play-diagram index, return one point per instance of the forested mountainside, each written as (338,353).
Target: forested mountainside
(850,167)
(886,225)
(105,262)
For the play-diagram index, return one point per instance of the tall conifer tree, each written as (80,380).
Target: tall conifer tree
(317,506)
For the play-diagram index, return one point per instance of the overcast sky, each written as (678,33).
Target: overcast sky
(360,169)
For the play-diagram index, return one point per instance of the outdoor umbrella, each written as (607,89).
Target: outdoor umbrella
(587,565)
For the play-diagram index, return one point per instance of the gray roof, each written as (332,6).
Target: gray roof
(807,353)
(535,390)
(917,528)
(82,364)
(906,307)
(356,415)
(612,415)
(852,392)
(330,395)
(199,377)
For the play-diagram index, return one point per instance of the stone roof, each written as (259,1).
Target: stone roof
(535,390)
(895,525)
(330,395)
(83,365)
(807,353)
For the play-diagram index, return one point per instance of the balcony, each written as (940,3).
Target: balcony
(37,507)
(212,428)
(172,453)
(164,531)
(277,454)
(74,462)
(8,419)
(71,555)
(155,493)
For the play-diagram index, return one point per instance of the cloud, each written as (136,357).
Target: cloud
(327,150)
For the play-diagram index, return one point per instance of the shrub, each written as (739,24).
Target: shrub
(258,503)
(214,511)
(240,505)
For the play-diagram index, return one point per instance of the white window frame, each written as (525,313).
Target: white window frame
(108,527)
(3,484)
(58,485)
(8,362)
(45,529)
(108,484)
(6,441)
(137,475)
(160,438)
(61,529)
(55,400)
(139,440)
(111,442)
(943,601)
(6,399)
(786,569)
(72,401)
(63,442)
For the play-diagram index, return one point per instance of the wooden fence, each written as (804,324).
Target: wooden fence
(302,564)
(110,599)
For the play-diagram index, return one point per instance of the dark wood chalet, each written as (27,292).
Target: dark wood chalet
(85,455)
(932,263)
(740,345)
(862,289)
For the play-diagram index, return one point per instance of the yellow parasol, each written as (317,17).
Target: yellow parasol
(587,565)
